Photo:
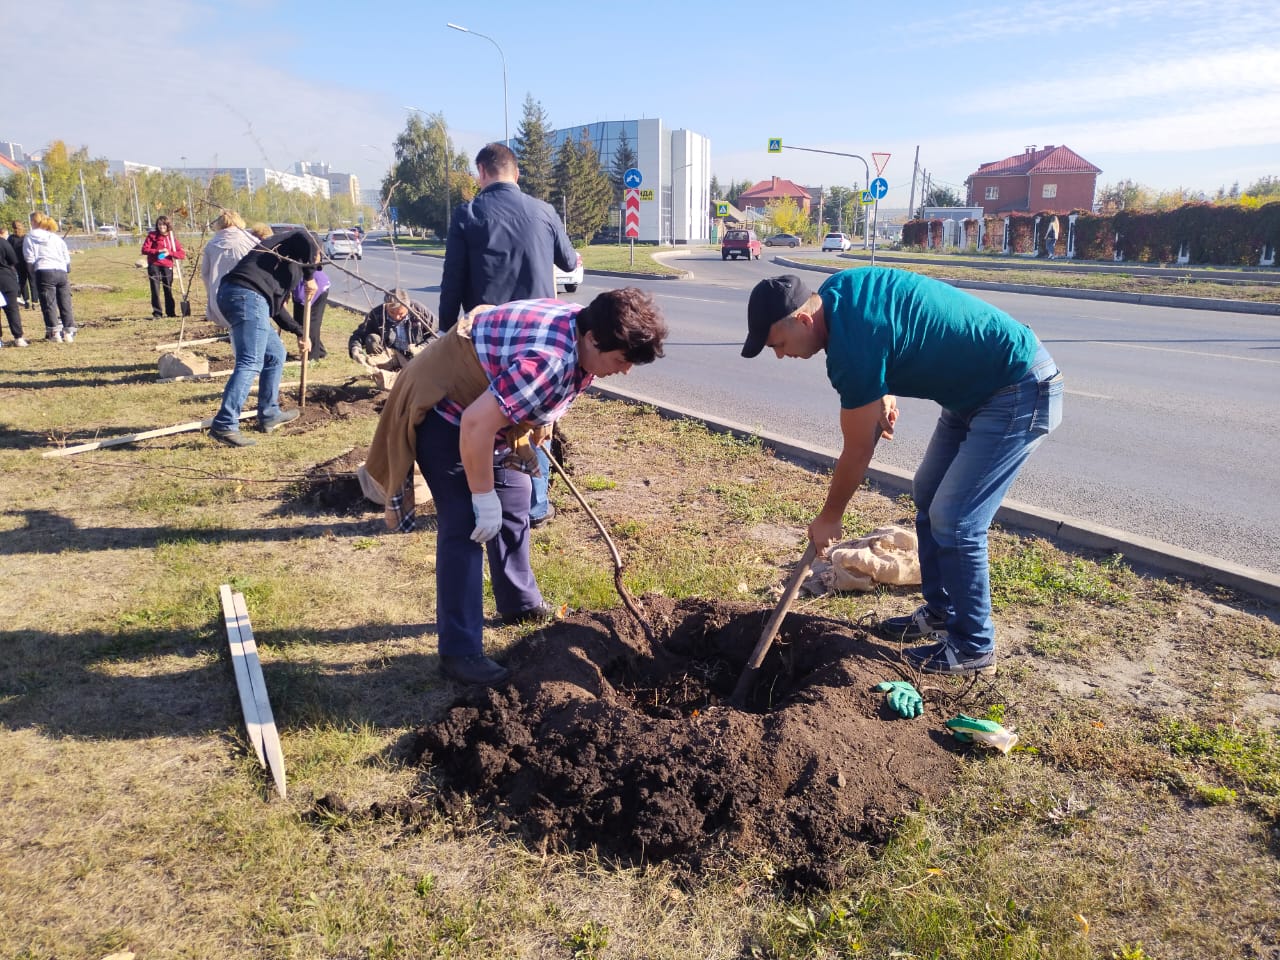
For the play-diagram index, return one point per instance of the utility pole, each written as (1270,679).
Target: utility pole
(915,169)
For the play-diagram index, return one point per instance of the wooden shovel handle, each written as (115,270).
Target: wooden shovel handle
(771,628)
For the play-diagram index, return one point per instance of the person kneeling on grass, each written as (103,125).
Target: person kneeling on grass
(249,296)
(889,332)
(391,335)
(463,407)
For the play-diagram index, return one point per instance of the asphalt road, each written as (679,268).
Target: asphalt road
(1171,427)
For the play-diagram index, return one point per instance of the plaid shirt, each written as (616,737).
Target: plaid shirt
(529,351)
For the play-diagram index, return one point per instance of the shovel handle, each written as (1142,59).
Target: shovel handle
(775,621)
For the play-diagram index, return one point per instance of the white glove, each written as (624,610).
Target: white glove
(488,510)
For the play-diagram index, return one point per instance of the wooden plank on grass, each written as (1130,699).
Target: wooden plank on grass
(270,736)
(161,347)
(248,706)
(134,437)
(216,373)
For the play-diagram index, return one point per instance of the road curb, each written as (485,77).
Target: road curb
(1140,551)
(1073,293)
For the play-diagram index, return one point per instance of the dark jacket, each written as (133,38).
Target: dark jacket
(275,266)
(8,268)
(501,247)
(422,324)
(15,243)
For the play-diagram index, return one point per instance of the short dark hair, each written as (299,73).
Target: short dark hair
(496,159)
(162,219)
(628,320)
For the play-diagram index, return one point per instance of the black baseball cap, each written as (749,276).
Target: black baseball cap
(770,301)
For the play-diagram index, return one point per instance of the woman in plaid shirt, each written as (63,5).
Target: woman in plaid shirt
(538,355)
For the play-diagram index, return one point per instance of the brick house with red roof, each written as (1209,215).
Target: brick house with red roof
(769,191)
(1049,179)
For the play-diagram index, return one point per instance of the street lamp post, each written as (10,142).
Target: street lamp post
(506,136)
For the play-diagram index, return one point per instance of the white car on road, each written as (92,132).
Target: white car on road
(342,244)
(568,280)
(836,241)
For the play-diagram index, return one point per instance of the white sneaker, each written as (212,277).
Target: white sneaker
(69,337)
(57,337)
(21,342)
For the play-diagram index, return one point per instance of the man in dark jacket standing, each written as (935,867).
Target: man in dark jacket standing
(251,294)
(501,244)
(501,247)
(9,287)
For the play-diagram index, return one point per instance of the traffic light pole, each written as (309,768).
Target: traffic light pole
(867,240)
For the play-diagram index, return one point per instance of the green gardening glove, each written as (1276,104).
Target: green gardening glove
(902,697)
(964,727)
(968,729)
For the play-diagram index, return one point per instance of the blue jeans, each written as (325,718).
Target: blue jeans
(969,464)
(259,354)
(459,562)
(538,502)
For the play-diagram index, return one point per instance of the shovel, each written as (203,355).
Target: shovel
(771,628)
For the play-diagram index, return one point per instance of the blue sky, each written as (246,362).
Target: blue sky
(1165,93)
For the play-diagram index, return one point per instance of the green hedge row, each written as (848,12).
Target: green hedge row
(1214,234)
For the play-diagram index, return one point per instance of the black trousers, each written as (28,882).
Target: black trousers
(11,309)
(55,301)
(161,277)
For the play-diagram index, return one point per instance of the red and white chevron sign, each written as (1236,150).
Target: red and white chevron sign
(632,215)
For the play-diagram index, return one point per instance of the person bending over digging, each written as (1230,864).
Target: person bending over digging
(249,295)
(889,332)
(465,408)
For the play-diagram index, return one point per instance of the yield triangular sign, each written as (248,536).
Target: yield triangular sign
(880,159)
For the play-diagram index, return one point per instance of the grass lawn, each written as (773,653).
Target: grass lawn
(1139,817)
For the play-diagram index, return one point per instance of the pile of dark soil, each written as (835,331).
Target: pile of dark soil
(333,486)
(327,402)
(600,740)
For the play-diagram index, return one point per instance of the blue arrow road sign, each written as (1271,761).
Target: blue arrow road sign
(879,187)
(632,179)
(394,213)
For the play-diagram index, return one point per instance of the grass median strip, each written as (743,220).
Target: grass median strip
(1136,817)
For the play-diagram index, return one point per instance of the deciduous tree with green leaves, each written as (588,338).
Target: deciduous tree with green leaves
(425,176)
(582,192)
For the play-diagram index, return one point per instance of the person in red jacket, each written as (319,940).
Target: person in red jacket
(162,248)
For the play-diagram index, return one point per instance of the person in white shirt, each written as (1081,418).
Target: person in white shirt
(50,263)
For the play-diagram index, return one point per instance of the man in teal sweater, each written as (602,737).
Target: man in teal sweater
(889,333)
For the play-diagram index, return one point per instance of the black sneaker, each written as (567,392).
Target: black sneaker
(281,418)
(942,657)
(232,438)
(920,624)
(475,671)
(542,613)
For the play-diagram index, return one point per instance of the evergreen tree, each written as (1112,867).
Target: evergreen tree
(533,150)
(624,158)
(716,193)
(582,192)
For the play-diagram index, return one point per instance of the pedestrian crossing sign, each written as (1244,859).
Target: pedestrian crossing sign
(775,145)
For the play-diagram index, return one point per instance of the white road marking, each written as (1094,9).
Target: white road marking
(1193,353)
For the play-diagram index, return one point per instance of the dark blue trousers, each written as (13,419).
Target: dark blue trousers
(459,562)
